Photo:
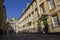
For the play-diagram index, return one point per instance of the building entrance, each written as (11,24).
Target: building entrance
(45,26)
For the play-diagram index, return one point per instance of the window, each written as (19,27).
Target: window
(32,15)
(36,11)
(25,18)
(51,4)
(23,25)
(34,5)
(29,15)
(55,20)
(42,8)
(29,23)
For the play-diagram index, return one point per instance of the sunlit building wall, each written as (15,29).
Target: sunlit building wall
(49,11)
(28,20)
(41,16)
(12,25)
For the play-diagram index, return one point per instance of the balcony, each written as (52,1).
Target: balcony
(43,16)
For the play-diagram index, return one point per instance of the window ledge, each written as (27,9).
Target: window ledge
(57,25)
(58,4)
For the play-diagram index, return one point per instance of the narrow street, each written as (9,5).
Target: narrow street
(29,19)
(30,37)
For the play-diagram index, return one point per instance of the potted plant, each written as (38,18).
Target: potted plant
(45,22)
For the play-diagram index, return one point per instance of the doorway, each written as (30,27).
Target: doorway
(45,26)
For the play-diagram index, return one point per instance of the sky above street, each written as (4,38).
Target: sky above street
(14,8)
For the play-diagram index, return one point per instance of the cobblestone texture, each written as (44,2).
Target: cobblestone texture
(29,37)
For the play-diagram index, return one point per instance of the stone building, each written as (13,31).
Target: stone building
(49,11)
(28,20)
(41,16)
(12,25)
(2,17)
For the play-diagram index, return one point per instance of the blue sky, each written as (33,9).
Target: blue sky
(14,8)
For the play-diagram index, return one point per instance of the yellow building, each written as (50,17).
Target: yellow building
(41,16)
(2,17)
(27,22)
(12,26)
(49,11)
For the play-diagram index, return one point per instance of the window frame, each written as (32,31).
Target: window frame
(42,8)
(51,4)
(55,20)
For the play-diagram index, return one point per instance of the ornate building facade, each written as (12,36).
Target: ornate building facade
(41,16)
(12,26)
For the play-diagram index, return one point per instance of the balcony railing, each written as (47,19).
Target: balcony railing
(44,14)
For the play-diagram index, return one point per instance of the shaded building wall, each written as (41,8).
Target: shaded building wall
(2,16)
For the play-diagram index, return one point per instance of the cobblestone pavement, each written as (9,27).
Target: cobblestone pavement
(30,37)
